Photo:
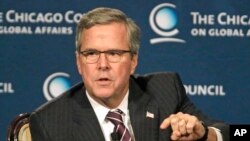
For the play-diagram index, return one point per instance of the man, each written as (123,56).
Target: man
(114,104)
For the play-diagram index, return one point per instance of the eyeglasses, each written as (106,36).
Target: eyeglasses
(113,56)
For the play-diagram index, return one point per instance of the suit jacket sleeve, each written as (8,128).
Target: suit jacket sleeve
(38,133)
(187,106)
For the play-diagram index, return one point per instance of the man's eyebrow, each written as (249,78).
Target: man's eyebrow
(90,49)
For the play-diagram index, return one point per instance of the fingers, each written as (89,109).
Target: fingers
(175,124)
(165,123)
(191,124)
(183,125)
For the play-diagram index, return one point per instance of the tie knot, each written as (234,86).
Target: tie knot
(115,117)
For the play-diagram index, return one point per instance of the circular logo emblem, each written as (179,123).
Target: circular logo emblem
(56,84)
(163,20)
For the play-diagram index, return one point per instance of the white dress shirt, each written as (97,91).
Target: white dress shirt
(106,125)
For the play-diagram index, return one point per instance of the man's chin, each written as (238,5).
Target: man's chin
(103,94)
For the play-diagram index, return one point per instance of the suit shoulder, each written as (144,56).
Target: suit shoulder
(59,102)
(157,76)
(161,83)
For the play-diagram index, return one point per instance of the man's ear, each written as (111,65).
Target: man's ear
(134,63)
(78,63)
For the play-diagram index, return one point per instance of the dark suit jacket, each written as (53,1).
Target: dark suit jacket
(70,117)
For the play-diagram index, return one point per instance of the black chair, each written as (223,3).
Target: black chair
(19,129)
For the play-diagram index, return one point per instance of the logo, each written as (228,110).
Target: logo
(221,24)
(163,21)
(56,84)
(14,22)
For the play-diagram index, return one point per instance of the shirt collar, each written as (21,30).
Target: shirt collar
(102,111)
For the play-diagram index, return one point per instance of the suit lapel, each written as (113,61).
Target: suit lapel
(143,114)
(86,126)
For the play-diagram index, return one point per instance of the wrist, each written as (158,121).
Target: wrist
(205,136)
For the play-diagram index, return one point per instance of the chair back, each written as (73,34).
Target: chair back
(19,129)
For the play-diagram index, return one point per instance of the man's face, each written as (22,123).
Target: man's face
(106,82)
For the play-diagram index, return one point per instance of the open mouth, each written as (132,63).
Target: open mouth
(104,81)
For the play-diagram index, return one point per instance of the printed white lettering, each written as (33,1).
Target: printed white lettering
(225,19)
(6,87)
(203,90)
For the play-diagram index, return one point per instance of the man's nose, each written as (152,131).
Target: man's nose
(103,62)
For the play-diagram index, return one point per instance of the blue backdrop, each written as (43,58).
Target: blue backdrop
(206,42)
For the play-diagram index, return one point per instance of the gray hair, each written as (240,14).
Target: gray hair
(102,16)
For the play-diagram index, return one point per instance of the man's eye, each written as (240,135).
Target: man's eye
(91,53)
(114,53)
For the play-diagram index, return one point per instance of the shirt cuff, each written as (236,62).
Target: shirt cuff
(218,134)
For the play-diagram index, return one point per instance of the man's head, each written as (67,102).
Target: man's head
(107,50)
(102,16)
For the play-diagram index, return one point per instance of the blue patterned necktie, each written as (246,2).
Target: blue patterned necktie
(116,118)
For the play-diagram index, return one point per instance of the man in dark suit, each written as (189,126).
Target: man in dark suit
(114,104)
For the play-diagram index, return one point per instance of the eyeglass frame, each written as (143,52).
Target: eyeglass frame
(118,52)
